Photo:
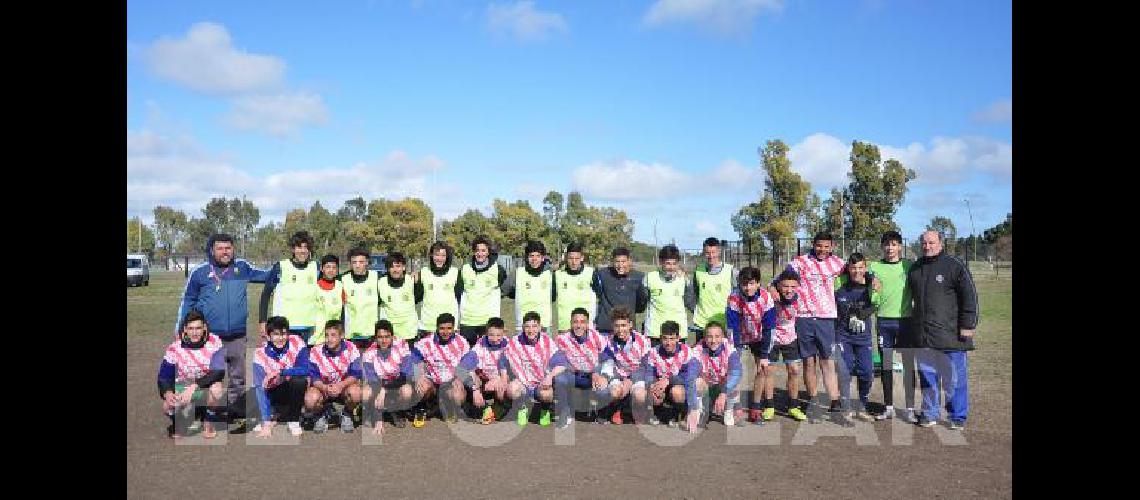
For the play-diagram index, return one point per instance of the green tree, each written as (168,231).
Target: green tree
(460,232)
(515,224)
(783,205)
(170,225)
(1005,228)
(869,202)
(267,243)
(323,227)
(244,217)
(145,244)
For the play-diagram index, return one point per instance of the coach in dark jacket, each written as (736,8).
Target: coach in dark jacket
(944,317)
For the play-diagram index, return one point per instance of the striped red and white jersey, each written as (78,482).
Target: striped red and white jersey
(714,369)
(751,314)
(529,361)
(784,332)
(440,361)
(817,285)
(192,363)
(582,357)
(627,360)
(488,360)
(288,359)
(335,368)
(670,366)
(387,367)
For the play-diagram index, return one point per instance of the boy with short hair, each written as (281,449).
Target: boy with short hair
(333,376)
(399,296)
(720,374)
(892,300)
(575,288)
(669,372)
(533,286)
(483,288)
(440,354)
(280,378)
(621,361)
(486,380)
(387,371)
(532,361)
(293,286)
(668,295)
(712,283)
(190,364)
(332,296)
(779,345)
(439,286)
(583,347)
(362,299)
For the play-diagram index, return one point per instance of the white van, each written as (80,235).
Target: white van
(138,270)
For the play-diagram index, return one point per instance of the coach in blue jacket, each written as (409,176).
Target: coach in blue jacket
(217,288)
(944,317)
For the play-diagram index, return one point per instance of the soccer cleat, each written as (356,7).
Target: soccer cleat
(840,418)
(653,419)
(523,416)
(564,422)
(956,425)
(769,413)
(864,416)
(420,419)
(729,418)
(294,428)
(616,418)
(925,422)
(755,415)
(910,416)
(399,420)
(488,415)
(544,418)
(346,424)
(887,413)
(797,414)
(321,425)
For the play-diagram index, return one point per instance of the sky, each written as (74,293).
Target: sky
(656,107)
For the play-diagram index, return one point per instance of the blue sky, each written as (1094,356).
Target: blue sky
(656,107)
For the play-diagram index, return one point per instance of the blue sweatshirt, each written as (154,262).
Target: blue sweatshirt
(219,293)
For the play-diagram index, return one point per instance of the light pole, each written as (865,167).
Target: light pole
(973,234)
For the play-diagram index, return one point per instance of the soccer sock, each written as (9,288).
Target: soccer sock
(756,405)
(836,405)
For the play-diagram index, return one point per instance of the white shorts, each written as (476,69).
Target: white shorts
(618,381)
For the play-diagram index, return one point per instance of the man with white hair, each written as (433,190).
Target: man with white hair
(944,317)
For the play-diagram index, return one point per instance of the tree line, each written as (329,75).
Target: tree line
(382,226)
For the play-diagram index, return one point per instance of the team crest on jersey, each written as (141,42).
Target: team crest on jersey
(294,278)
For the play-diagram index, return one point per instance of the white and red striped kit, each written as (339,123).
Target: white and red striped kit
(440,361)
(714,369)
(388,367)
(817,285)
(334,369)
(192,363)
(671,366)
(582,357)
(529,361)
(272,367)
(751,314)
(628,360)
(488,366)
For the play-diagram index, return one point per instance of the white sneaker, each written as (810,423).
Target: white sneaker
(887,413)
(257,428)
(729,418)
(294,428)
(910,417)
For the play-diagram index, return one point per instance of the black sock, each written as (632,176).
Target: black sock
(836,405)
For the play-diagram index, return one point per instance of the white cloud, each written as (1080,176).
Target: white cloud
(521,21)
(279,115)
(998,112)
(629,180)
(725,17)
(174,172)
(731,175)
(954,159)
(822,160)
(705,227)
(206,61)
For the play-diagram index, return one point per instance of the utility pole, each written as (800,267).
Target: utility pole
(140,234)
(973,234)
(655,249)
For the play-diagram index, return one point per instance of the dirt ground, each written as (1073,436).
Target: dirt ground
(784,458)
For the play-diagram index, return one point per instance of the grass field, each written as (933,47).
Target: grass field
(787,459)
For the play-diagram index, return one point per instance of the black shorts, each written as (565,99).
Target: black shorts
(789,353)
(393,383)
